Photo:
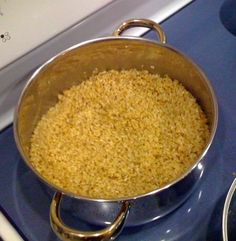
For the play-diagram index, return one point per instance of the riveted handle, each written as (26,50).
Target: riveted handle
(141,23)
(66,233)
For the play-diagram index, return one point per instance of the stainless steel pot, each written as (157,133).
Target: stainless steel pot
(76,64)
(228,218)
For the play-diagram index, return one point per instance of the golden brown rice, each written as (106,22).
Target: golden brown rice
(119,133)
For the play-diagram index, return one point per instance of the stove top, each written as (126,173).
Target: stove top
(198,32)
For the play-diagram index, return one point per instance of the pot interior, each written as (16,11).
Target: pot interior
(75,65)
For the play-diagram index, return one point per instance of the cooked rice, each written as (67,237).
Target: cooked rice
(118,134)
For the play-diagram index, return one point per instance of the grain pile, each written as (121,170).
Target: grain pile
(120,133)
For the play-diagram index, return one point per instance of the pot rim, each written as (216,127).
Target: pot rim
(196,164)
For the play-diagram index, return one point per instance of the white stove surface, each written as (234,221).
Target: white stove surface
(26,24)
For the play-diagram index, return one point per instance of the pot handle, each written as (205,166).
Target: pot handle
(141,23)
(66,233)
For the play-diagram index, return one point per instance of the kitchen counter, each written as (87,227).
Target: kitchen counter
(198,32)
